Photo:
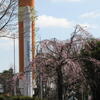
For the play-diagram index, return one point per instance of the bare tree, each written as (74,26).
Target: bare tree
(7,12)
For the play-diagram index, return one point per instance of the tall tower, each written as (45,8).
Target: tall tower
(26,41)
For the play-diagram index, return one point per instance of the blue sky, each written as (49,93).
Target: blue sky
(56,18)
(84,12)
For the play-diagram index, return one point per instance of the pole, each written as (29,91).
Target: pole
(14,54)
(14,63)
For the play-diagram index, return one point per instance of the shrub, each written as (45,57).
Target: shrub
(2,98)
(18,98)
(25,98)
(14,98)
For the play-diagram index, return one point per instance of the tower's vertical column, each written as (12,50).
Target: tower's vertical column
(25,9)
(26,41)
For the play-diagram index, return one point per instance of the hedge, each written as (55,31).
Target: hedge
(17,98)
(2,98)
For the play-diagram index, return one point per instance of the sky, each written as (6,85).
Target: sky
(56,19)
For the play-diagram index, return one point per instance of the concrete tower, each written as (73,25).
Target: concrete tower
(26,42)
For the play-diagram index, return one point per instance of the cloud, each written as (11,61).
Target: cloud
(45,21)
(50,21)
(65,0)
(93,14)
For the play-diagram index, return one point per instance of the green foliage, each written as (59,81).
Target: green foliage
(26,98)
(6,80)
(92,49)
(37,98)
(15,98)
(18,98)
(2,98)
(91,68)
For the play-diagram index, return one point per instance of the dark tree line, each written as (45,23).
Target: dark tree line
(6,81)
(91,66)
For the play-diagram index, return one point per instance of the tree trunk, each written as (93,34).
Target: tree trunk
(60,83)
